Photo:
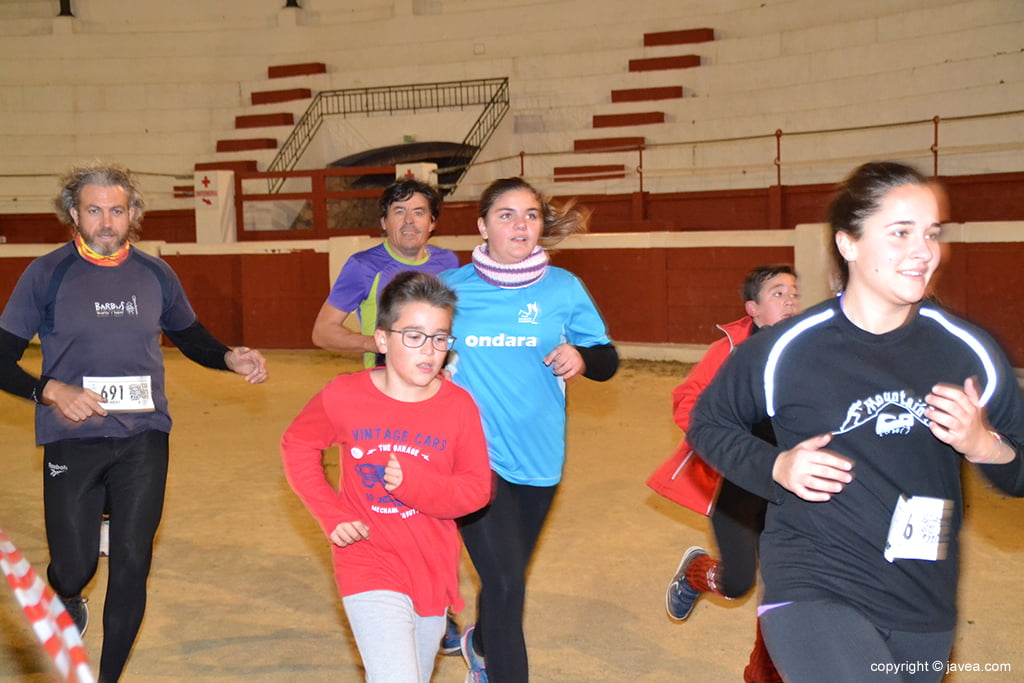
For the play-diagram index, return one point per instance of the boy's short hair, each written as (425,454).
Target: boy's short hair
(761,274)
(409,287)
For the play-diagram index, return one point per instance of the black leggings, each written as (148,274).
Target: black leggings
(80,478)
(738,520)
(500,540)
(822,640)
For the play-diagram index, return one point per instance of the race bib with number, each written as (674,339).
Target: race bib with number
(123,394)
(919,529)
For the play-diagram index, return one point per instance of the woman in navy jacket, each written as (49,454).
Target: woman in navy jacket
(875,397)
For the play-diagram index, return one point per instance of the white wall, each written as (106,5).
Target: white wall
(155,85)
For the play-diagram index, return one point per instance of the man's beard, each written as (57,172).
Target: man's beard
(104,248)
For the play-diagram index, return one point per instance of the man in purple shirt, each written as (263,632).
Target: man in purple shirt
(408,215)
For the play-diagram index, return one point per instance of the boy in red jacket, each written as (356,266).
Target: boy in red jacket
(412,459)
(770,294)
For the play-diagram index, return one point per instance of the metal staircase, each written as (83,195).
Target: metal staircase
(490,93)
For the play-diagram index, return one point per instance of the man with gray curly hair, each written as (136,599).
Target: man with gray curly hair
(99,307)
(68,199)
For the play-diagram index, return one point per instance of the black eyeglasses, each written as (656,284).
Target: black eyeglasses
(414,339)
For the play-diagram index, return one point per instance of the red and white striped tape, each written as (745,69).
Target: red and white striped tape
(50,621)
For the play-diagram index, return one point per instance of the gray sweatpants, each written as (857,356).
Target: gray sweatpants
(396,644)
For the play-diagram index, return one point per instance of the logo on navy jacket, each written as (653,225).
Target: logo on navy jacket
(893,412)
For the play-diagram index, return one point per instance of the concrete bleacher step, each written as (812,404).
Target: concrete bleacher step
(683,37)
(285,118)
(270,120)
(184,191)
(644,118)
(648,94)
(670,92)
(275,96)
(607,144)
(664,63)
(288,70)
(594,172)
(245,145)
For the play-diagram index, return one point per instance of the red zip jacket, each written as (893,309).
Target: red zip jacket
(685,478)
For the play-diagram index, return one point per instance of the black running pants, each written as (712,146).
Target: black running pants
(500,540)
(738,520)
(81,477)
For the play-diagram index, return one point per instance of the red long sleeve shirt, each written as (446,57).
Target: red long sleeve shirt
(414,544)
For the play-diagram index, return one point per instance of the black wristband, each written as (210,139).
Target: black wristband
(37,390)
(600,362)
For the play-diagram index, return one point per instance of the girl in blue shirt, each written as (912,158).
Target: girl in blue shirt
(526,328)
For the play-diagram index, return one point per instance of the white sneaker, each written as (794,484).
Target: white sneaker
(105,537)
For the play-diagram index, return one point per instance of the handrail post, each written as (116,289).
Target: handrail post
(319,203)
(935,147)
(778,157)
(239,209)
(640,166)
(775,197)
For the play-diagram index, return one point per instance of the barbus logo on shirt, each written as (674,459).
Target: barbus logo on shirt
(500,340)
(117,310)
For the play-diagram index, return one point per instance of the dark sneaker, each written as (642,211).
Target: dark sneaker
(78,610)
(477,669)
(451,643)
(681,596)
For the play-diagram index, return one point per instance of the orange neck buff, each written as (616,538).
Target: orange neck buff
(93,256)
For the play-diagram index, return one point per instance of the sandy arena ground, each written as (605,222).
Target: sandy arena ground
(241,588)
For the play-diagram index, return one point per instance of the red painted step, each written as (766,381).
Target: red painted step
(607,144)
(662,63)
(639,119)
(245,145)
(577,173)
(265,120)
(247,166)
(182,191)
(273,96)
(287,70)
(684,37)
(670,92)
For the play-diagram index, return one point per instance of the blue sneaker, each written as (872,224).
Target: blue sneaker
(477,669)
(681,596)
(451,643)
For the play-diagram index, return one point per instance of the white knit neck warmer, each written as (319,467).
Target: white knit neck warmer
(510,275)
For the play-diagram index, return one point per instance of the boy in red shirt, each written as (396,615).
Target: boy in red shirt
(412,459)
